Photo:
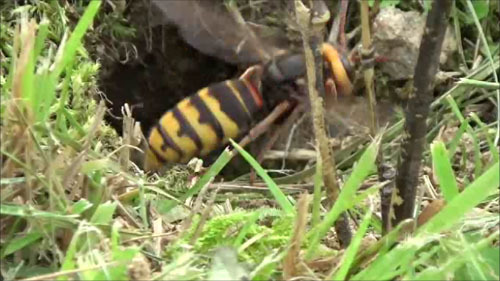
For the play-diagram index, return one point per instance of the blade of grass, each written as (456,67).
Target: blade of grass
(21,242)
(80,206)
(456,139)
(479,84)
(480,73)
(250,222)
(29,212)
(458,34)
(443,170)
(213,171)
(393,263)
(60,118)
(478,165)
(69,261)
(493,148)
(273,187)
(470,6)
(361,170)
(25,167)
(43,31)
(318,181)
(383,245)
(473,257)
(28,70)
(104,213)
(6,181)
(473,194)
(74,40)
(376,222)
(439,273)
(45,95)
(353,248)
(142,205)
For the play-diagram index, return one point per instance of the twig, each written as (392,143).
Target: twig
(385,243)
(171,235)
(204,217)
(186,224)
(418,109)
(311,29)
(18,108)
(274,137)
(334,30)
(290,138)
(291,261)
(262,188)
(128,129)
(344,4)
(260,128)
(337,32)
(375,9)
(75,166)
(52,276)
(294,154)
(368,72)
(384,171)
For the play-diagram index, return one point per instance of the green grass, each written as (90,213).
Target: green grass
(444,171)
(275,190)
(69,210)
(347,197)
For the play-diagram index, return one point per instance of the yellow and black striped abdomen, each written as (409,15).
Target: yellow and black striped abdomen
(203,122)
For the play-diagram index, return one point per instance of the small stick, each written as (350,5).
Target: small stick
(204,217)
(292,259)
(368,72)
(52,276)
(311,29)
(128,128)
(74,168)
(294,154)
(337,32)
(263,125)
(344,4)
(274,137)
(412,147)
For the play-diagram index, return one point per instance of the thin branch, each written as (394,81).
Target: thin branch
(384,170)
(337,32)
(344,4)
(311,29)
(291,261)
(418,109)
(368,72)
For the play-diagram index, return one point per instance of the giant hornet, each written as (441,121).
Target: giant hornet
(204,121)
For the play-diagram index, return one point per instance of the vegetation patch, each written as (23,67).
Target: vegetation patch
(76,203)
